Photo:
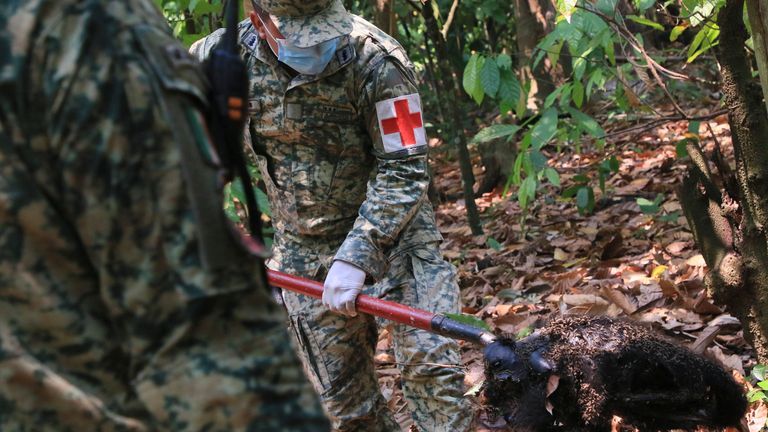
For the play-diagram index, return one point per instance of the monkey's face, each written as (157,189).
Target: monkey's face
(502,364)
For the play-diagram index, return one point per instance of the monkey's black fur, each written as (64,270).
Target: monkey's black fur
(601,367)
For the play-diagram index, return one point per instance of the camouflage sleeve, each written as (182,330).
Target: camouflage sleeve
(202,48)
(400,184)
(121,108)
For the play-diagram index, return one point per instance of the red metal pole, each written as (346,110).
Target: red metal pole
(373,306)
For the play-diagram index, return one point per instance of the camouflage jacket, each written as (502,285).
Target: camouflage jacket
(330,177)
(93,190)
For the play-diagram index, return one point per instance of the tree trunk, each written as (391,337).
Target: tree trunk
(758,20)
(457,133)
(534,19)
(384,16)
(731,230)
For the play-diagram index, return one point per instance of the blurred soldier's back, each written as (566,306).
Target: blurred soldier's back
(125,302)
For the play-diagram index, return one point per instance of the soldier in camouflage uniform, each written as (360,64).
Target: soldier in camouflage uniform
(341,145)
(125,303)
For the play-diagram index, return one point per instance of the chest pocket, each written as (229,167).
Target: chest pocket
(320,147)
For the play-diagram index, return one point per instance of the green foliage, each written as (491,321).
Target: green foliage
(524,332)
(759,376)
(584,40)
(469,320)
(192,19)
(650,207)
(493,243)
(583,192)
(655,210)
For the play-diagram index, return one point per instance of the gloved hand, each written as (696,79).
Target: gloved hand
(342,285)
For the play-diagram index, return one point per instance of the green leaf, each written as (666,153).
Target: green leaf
(645,22)
(237,190)
(552,97)
(755,395)
(672,217)
(527,191)
(581,178)
(763,385)
(585,199)
(495,131)
(545,129)
(648,207)
(554,53)
(577,93)
(607,7)
(471,80)
(705,39)
(613,163)
(566,8)
(680,148)
(509,88)
(571,191)
(263,202)
(552,176)
(693,127)
(490,78)
(586,123)
(493,243)
(538,161)
(643,5)
(524,332)
(504,61)
(608,47)
(676,32)
(469,320)
(758,372)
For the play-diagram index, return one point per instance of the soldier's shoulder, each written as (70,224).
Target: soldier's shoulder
(373,44)
(202,48)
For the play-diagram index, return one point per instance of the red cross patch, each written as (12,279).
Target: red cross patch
(400,122)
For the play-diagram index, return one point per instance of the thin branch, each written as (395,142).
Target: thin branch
(654,67)
(449,20)
(659,121)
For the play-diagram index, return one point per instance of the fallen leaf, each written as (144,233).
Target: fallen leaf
(757,417)
(583,300)
(618,298)
(675,248)
(658,271)
(696,261)
(561,255)
(704,339)
(552,382)
(730,362)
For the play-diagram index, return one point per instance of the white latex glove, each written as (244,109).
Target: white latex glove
(342,285)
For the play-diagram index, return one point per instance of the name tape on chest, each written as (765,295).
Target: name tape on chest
(400,122)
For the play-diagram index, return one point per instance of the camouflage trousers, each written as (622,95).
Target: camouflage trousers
(337,351)
(226,367)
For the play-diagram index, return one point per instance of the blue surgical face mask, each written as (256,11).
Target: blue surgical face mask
(307,61)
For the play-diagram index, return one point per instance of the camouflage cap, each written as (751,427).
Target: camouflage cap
(305,23)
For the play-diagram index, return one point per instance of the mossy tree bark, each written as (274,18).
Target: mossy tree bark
(728,211)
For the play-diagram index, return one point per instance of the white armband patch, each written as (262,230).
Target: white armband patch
(400,123)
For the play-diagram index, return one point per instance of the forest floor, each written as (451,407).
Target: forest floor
(617,261)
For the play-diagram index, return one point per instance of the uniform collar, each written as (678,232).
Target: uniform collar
(252,44)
